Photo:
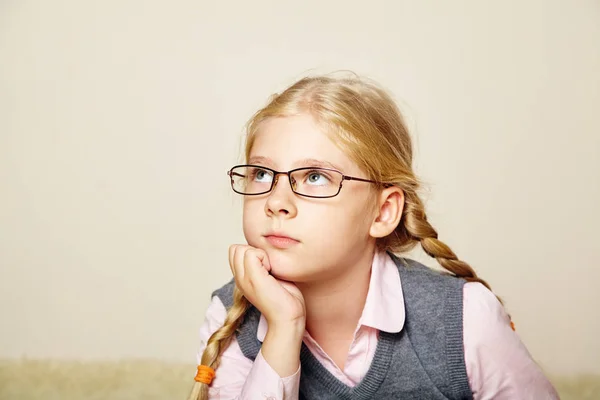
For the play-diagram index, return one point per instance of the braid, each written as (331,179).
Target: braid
(416,228)
(218,341)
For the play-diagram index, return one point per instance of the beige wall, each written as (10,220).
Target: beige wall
(119,119)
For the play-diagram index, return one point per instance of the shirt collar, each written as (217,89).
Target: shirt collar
(384,307)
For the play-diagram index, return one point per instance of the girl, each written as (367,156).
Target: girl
(321,306)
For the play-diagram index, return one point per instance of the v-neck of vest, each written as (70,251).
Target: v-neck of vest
(372,380)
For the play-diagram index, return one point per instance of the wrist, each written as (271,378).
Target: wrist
(281,348)
(291,328)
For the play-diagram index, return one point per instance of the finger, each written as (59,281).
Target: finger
(264,258)
(254,268)
(231,253)
(238,265)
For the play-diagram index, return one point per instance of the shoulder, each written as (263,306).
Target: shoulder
(485,321)
(216,312)
(246,334)
(225,293)
(482,310)
(498,364)
(214,318)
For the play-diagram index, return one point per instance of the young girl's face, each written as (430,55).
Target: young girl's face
(331,234)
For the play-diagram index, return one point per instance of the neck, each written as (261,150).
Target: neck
(334,306)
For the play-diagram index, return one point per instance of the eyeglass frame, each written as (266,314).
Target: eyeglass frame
(289,175)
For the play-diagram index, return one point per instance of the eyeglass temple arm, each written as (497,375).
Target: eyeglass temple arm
(352,178)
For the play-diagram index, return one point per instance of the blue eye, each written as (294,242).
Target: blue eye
(261,175)
(317,178)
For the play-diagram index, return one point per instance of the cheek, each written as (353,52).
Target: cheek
(251,221)
(340,223)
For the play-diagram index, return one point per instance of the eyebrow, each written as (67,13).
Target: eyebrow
(307,162)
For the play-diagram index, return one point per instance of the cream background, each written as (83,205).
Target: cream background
(118,120)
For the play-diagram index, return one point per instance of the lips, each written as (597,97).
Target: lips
(280,240)
(279,235)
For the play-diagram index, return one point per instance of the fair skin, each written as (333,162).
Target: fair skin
(319,282)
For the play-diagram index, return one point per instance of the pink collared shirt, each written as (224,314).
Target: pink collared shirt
(498,364)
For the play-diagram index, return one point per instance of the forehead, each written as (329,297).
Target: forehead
(293,142)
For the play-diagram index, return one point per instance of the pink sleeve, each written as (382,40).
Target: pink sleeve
(237,376)
(498,363)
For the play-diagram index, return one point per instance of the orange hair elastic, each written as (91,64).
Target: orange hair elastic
(512,325)
(205,374)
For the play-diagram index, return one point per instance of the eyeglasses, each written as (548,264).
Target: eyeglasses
(251,180)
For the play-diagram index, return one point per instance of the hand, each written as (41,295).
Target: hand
(279,301)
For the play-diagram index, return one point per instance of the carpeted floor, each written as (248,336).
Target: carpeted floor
(151,380)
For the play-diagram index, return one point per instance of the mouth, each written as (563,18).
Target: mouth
(280,241)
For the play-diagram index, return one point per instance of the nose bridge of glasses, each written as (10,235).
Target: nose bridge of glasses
(291,179)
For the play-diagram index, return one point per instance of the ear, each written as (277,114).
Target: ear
(390,203)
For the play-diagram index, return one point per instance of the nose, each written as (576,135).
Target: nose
(281,200)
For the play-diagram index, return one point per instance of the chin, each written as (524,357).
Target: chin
(287,266)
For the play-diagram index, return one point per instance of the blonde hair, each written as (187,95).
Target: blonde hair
(366,123)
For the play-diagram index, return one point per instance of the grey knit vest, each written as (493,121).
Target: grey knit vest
(425,360)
